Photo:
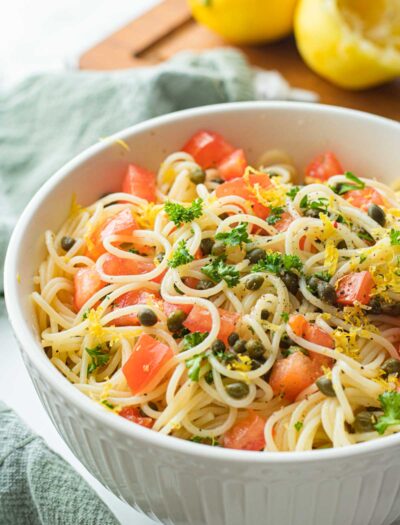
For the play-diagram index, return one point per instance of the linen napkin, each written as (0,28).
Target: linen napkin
(49,118)
(37,487)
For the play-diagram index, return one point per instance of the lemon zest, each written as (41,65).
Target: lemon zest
(75,208)
(331,257)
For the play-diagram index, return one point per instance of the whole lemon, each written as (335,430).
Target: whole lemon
(246,21)
(353,43)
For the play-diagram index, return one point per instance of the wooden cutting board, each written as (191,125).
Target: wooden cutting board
(169,28)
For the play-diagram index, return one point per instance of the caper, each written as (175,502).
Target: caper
(264,314)
(313,283)
(325,386)
(203,284)
(254,282)
(218,346)
(312,212)
(175,320)
(218,248)
(67,243)
(326,292)
(160,257)
(197,176)
(375,306)
(237,390)
(232,338)
(285,341)
(147,317)
(206,246)
(254,348)
(291,281)
(341,245)
(239,347)
(256,363)
(256,255)
(377,214)
(391,366)
(364,421)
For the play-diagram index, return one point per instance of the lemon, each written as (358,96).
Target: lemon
(246,21)
(353,43)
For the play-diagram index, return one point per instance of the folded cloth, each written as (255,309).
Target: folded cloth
(37,487)
(49,118)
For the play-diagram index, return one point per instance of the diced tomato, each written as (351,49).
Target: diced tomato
(86,283)
(207,148)
(242,188)
(292,375)
(363,198)
(140,182)
(114,265)
(191,282)
(285,221)
(147,358)
(133,414)
(247,434)
(132,298)
(323,167)
(309,331)
(199,320)
(233,165)
(302,244)
(122,223)
(170,308)
(355,287)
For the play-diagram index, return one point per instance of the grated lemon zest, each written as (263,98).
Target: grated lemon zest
(329,229)
(331,257)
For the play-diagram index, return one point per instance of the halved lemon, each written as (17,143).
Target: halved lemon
(353,43)
(246,21)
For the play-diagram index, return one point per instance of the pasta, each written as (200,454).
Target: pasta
(225,304)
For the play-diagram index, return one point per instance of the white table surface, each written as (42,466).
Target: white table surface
(36,36)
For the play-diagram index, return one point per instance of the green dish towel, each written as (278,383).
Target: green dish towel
(49,118)
(37,487)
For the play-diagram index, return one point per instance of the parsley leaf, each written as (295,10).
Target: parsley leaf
(344,187)
(217,271)
(363,234)
(180,214)
(206,441)
(320,204)
(394,237)
(277,263)
(324,276)
(98,358)
(235,237)
(298,425)
(294,190)
(390,403)
(193,339)
(193,365)
(85,314)
(180,256)
(276,215)
(285,317)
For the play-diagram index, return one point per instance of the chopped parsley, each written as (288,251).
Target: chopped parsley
(193,365)
(98,358)
(107,404)
(180,214)
(285,317)
(217,270)
(180,256)
(275,216)
(206,441)
(277,263)
(193,339)
(236,236)
(320,204)
(394,237)
(390,403)
(324,276)
(85,314)
(298,425)
(365,236)
(209,377)
(344,187)
(294,190)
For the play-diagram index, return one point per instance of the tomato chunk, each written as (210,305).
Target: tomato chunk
(323,167)
(147,358)
(355,287)
(310,331)
(242,188)
(199,320)
(207,148)
(133,414)
(170,308)
(86,283)
(233,165)
(363,198)
(140,182)
(122,223)
(247,434)
(132,298)
(293,374)
(285,221)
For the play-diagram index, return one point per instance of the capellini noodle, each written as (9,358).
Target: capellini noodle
(202,408)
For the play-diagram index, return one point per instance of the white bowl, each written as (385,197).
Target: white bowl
(181,482)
